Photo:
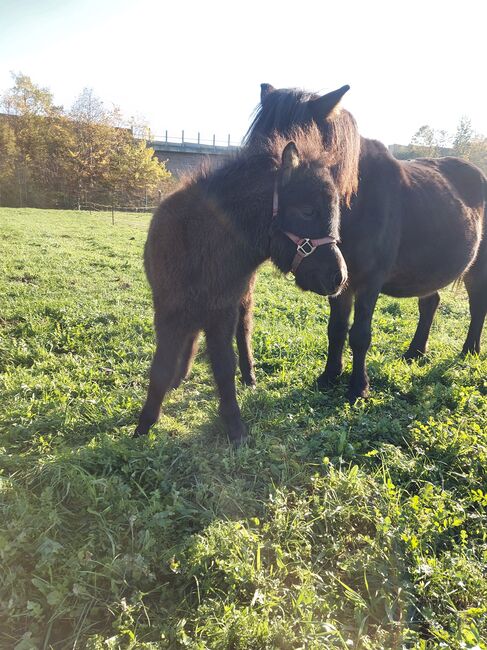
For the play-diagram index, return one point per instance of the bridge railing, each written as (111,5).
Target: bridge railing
(183,138)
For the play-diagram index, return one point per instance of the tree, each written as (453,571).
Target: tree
(39,131)
(8,157)
(462,141)
(478,152)
(27,99)
(135,172)
(49,158)
(92,140)
(110,164)
(427,142)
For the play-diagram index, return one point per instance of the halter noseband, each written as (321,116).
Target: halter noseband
(304,245)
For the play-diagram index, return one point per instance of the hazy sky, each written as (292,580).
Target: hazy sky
(197,66)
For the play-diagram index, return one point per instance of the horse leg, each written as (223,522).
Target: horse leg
(340,309)
(190,348)
(170,340)
(476,284)
(360,338)
(427,309)
(219,336)
(244,335)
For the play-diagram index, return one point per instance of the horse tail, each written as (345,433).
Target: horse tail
(480,264)
(484,230)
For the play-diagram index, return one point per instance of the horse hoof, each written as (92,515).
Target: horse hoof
(412,355)
(238,435)
(326,381)
(249,381)
(355,394)
(140,431)
(472,351)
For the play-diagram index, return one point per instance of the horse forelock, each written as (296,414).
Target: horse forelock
(281,111)
(308,141)
(286,109)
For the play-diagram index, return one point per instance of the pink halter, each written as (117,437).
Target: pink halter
(304,246)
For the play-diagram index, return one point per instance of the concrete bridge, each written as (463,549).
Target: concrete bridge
(183,155)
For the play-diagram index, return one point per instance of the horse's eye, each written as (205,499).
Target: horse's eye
(307,211)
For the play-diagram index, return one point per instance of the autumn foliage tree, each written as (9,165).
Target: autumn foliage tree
(50,158)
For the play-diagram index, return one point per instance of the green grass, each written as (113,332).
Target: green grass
(337,526)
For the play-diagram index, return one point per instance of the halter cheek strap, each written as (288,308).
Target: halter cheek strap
(304,246)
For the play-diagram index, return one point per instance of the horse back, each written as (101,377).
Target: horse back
(468,180)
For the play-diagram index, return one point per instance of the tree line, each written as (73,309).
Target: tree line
(52,158)
(56,158)
(433,143)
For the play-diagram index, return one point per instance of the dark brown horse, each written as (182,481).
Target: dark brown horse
(205,242)
(408,228)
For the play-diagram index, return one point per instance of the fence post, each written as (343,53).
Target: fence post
(213,139)
(182,136)
(198,137)
(166,136)
(229,139)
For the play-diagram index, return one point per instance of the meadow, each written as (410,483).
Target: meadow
(335,527)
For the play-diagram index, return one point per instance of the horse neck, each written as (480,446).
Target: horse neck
(243,192)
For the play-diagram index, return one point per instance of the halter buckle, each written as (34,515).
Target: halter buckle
(305,247)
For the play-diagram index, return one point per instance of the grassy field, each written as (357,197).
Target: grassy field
(337,526)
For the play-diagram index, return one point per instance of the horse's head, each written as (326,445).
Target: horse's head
(285,109)
(305,227)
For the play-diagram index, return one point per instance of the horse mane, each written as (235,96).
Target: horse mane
(308,140)
(266,153)
(284,109)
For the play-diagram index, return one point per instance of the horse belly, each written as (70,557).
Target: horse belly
(428,268)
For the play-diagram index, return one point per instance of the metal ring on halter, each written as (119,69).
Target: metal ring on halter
(306,251)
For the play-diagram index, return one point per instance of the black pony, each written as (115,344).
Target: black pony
(205,243)
(408,228)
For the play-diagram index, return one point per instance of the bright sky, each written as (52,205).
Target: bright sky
(197,65)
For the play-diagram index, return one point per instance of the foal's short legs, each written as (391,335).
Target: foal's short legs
(244,335)
(340,308)
(219,337)
(427,309)
(360,337)
(170,340)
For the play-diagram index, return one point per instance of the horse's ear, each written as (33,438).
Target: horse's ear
(265,89)
(323,106)
(290,161)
